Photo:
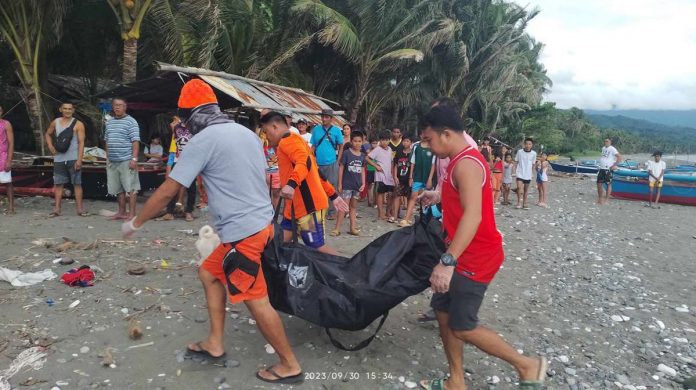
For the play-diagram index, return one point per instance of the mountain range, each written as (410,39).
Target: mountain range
(679,118)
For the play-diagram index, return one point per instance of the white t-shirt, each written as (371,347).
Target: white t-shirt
(307,137)
(525,164)
(656,167)
(608,157)
(293,129)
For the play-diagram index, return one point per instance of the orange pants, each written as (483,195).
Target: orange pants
(496,180)
(244,282)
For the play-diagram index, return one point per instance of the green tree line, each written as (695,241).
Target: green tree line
(383,60)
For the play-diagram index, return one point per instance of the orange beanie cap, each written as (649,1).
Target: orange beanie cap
(196,92)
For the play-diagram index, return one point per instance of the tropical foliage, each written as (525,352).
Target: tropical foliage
(383,60)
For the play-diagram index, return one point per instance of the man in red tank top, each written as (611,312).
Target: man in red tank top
(474,254)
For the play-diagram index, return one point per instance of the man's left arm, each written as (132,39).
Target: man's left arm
(80,130)
(468,176)
(135,139)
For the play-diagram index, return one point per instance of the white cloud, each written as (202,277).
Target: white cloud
(628,53)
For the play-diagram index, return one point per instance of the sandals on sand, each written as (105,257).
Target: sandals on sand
(537,383)
(203,353)
(286,380)
(84,214)
(53,214)
(335,233)
(355,232)
(405,223)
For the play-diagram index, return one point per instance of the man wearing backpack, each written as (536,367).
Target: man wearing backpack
(327,144)
(65,138)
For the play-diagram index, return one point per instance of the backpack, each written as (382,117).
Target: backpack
(63,140)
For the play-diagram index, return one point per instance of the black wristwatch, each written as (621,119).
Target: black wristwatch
(448,260)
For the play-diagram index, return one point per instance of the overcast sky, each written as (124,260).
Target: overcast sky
(634,54)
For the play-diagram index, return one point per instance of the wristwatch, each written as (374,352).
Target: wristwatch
(448,260)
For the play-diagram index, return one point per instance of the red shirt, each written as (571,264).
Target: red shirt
(482,259)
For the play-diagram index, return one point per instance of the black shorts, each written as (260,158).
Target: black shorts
(370,177)
(524,181)
(65,173)
(383,188)
(604,176)
(462,302)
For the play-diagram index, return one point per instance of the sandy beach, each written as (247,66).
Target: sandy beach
(606,293)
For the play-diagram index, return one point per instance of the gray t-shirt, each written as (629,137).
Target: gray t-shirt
(71,153)
(230,158)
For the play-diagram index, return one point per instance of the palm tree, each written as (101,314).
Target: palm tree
(376,37)
(130,15)
(29,27)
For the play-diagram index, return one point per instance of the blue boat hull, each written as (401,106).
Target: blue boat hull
(677,188)
(573,168)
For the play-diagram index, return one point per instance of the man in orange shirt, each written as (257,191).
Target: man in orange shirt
(308,193)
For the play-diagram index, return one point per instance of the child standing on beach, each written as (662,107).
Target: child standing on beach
(524,162)
(381,158)
(507,178)
(542,179)
(402,165)
(6,154)
(422,172)
(656,173)
(351,181)
(496,175)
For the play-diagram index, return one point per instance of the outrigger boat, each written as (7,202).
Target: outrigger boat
(679,186)
(588,167)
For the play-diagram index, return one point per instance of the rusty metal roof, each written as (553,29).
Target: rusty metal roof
(261,95)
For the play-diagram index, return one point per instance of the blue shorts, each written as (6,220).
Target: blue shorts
(417,186)
(310,228)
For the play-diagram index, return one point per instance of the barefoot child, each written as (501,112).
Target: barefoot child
(656,173)
(402,165)
(542,179)
(524,167)
(507,178)
(381,158)
(351,181)
(473,257)
(6,152)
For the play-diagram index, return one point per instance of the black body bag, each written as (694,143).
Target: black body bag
(351,293)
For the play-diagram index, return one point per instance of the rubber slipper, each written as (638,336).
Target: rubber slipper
(84,214)
(427,317)
(286,380)
(537,383)
(335,233)
(434,384)
(53,215)
(204,353)
(118,218)
(354,232)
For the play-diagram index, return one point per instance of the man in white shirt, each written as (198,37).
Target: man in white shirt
(524,162)
(607,164)
(656,173)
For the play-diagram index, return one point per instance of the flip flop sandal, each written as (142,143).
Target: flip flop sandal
(354,232)
(434,384)
(426,317)
(538,383)
(84,214)
(203,353)
(335,233)
(391,220)
(53,215)
(286,380)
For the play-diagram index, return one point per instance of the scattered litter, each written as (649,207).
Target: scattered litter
(106,213)
(34,358)
(136,269)
(269,349)
(164,264)
(74,304)
(135,332)
(107,358)
(140,346)
(79,277)
(23,279)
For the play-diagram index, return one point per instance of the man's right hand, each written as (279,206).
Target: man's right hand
(379,169)
(287,192)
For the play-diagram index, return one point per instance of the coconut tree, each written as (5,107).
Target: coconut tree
(29,27)
(130,15)
(375,37)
